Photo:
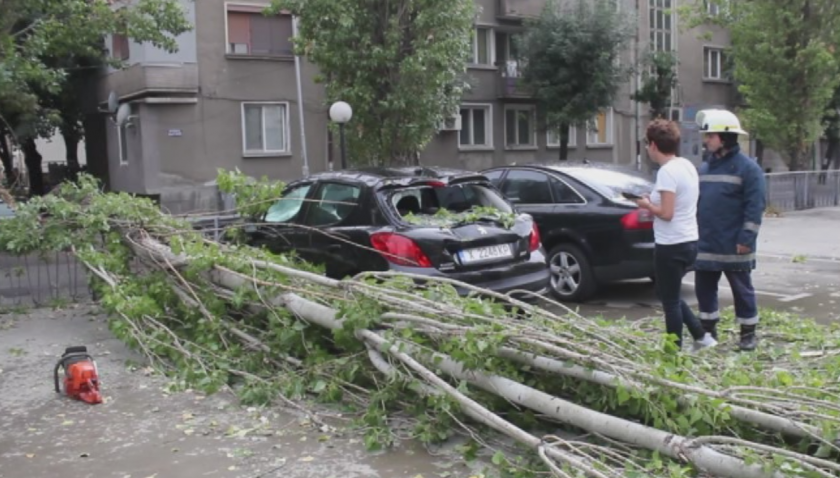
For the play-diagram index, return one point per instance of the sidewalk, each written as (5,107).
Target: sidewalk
(812,234)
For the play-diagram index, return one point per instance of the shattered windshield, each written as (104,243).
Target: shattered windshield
(448,206)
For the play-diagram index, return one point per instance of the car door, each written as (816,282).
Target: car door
(530,191)
(280,229)
(338,228)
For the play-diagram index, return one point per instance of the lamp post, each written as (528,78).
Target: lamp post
(341,112)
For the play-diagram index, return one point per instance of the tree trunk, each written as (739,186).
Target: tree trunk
(71,143)
(759,152)
(564,142)
(32,158)
(6,157)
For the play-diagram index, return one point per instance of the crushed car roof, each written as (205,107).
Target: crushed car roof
(395,176)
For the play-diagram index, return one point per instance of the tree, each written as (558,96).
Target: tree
(398,64)
(831,121)
(786,66)
(658,79)
(43,42)
(570,56)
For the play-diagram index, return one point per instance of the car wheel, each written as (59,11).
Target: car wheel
(571,275)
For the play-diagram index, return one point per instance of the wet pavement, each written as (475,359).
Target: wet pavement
(798,270)
(144,431)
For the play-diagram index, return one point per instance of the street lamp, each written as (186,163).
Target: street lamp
(341,112)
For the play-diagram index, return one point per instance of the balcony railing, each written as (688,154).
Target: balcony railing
(510,81)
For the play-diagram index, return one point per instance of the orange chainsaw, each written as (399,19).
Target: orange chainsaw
(81,378)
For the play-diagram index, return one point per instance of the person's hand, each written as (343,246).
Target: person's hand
(643,203)
(741,249)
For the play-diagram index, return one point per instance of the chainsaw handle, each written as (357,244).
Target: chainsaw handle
(64,359)
(55,375)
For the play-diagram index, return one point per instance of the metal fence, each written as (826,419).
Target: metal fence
(795,191)
(35,280)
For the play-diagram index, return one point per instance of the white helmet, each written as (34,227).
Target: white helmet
(719,121)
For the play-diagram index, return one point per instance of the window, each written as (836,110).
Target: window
(661,25)
(527,187)
(519,126)
(564,194)
(335,203)
(123,134)
(712,7)
(265,128)
(600,132)
(249,32)
(675,114)
(119,47)
(495,177)
(476,126)
(482,45)
(552,137)
(713,63)
(288,207)
(424,202)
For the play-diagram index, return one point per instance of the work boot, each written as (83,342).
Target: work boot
(749,341)
(710,326)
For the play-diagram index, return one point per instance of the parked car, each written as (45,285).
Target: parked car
(592,234)
(431,222)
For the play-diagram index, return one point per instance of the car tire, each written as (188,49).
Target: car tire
(567,261)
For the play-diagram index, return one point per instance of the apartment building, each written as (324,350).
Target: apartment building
(228,99)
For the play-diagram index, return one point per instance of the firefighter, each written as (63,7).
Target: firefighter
(729,213)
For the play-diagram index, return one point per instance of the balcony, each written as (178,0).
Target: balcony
(175,78)
(510,82)
(520,9)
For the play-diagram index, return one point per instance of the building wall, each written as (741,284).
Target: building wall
(193,125)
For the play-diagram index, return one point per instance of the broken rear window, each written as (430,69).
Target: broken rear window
(445,205)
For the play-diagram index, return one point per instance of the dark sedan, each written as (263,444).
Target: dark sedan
(432,222)
(592,234)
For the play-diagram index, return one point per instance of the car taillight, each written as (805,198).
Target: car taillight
(638,219)
(534,243)
(399,250)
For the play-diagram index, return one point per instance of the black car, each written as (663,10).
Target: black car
(592,234)
(432,222)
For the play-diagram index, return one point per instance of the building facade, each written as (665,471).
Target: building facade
(228,99)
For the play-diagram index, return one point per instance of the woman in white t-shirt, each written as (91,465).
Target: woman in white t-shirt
(673,203)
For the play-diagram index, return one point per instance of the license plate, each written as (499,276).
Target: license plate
(483,254)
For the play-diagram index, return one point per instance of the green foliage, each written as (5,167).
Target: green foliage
(196,347)
(786,67)
(570,56)
(398,64)
(41,41)
(445,218)
(253,198)
(659,77)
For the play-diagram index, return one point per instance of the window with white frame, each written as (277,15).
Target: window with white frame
(123,134)
(715,7)
(520,124)
(250,32)
(600,131)
(661,25)
(265,128)
(482,45)
(713,63)
(476,126)
(552,137)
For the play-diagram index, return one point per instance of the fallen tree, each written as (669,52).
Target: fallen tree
(225,315)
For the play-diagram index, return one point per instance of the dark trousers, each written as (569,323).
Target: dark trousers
(671,262)
(706,288)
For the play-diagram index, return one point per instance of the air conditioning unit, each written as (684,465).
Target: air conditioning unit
(452,123)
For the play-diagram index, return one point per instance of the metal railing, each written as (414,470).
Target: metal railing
(799,190)
(48,280)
